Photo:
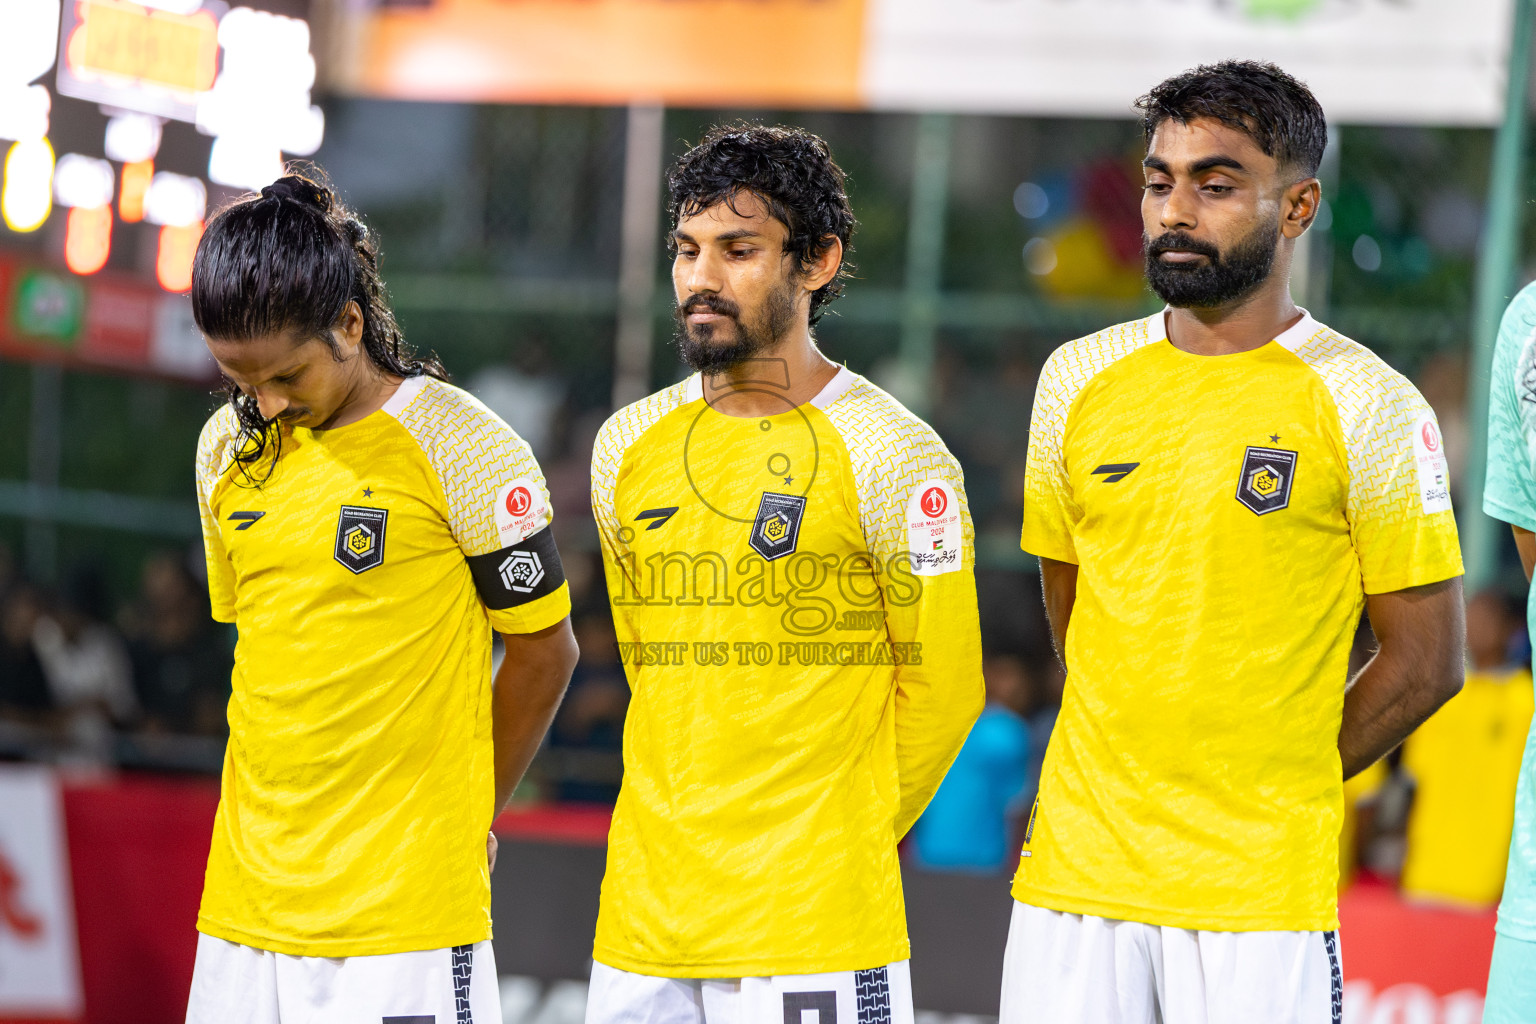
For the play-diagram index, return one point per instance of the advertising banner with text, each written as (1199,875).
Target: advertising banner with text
(1370,61)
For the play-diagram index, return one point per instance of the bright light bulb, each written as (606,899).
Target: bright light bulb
(241,162)
(173,263)
(83,181)
(24,111)
(30,39)
(175,200)
(133,137)
(88,239)
(26,199)
(137,177)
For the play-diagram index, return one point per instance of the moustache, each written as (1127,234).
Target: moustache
(716,304)
(1177,241)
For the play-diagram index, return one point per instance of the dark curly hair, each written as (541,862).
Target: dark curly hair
(1276,111)
(791,171)
(288,260)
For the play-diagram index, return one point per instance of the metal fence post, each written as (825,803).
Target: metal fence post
(1497,264)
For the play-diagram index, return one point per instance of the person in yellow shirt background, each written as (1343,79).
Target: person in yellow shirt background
(1465,762)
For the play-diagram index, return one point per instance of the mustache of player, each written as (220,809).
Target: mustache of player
(1224,277)
(715,347)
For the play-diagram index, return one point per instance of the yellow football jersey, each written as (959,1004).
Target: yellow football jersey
(1465,762)
(795,603)
(1228,515)
(365,576)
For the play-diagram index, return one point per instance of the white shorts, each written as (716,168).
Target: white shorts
(1089,970)
(233,984)
(881,995)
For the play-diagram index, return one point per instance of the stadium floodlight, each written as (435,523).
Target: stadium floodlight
(174,6)
(27,196)
(175,200)
(28,44)
(24,111)
(133,137)
(88,239)
(241,162)
(85,182)
(263,88)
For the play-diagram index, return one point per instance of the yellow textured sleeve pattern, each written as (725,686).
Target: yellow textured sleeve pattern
(1398,542)
(473,454)
(620,431)
(940,693)
(215,449)
(892,452)
(1049,509)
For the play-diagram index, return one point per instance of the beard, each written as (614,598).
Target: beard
(716,347)
(1223,279)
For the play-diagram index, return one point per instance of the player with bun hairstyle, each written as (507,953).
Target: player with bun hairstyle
(367,527)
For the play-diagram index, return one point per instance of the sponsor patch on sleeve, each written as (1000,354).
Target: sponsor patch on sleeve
(934,533)
(520,510)
(1434,470)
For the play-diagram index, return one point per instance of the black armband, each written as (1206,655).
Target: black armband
(516,575)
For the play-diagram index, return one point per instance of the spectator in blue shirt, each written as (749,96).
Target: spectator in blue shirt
(967,826)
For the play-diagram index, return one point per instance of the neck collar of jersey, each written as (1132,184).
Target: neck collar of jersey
(408,390)
(841,381)
(1291,339)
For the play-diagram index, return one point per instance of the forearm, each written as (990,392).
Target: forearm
(1418,668)
(528,688)
(1058,586)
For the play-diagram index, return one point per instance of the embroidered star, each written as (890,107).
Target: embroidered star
(788,480)
(1274,438)
(367,492)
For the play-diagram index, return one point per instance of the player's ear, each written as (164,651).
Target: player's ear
(348,332)
(1299,206)
(823,268)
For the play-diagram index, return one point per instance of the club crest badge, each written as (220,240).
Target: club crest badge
(776,530)
(1264,485)
(360,537)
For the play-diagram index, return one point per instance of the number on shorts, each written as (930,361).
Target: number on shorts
(824,1003)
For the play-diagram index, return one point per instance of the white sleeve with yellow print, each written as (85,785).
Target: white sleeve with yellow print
(497,504)
(1399,502)
(1050,509)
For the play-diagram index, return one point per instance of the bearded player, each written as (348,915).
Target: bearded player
(1214,492)
(790,564)
(367,527)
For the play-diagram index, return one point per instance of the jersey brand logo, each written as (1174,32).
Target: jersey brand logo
(522,571)
(661,515)
(776,530)
(245,519)
(1116,471)
(360,537)
(1264,485)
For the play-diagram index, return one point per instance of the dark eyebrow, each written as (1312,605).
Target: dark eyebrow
(1199,166)
(724,236)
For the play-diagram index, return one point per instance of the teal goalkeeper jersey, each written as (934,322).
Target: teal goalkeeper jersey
(1510,496)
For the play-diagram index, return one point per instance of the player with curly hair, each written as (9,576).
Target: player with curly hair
(790,564)
(367,526)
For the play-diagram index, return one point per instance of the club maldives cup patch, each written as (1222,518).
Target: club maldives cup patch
(360,537)
(934,530)
(1434,470)
(520,510)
